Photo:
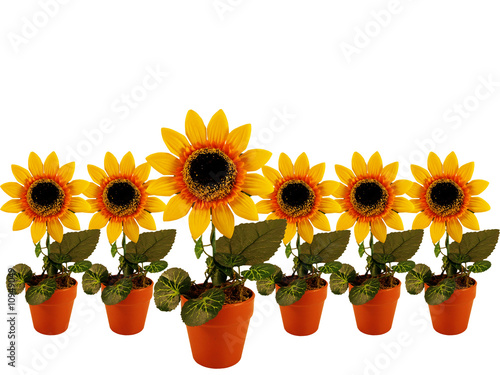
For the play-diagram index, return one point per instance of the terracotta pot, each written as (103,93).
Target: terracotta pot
(302,318)
(452,316)
(128,317)
(219,342)
(52,316)
(375,317)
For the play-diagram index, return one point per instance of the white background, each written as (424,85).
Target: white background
(399,77)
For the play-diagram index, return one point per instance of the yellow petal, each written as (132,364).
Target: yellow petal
(127,164)
(375,164)
(421,221)
(22,221)
(92,190)
(13,189)
(290,231)
(264,206)
(78,204)
(477,204)
(195,128)
(142,171)
(223,220)
(239,137)
(450,165)
(320,221)
(401,186)
(434,164)
(437,231)
(345,221)
(164,163)
(345,174)
(306,230)
(244,207)
(77,187)
(301,166)
(341,192)
(285,165)
(416,191)
(176,208)
(358,164)
(390,171)
(114,229)
(199,218)
(12,206)
(255,184)
(217,128)
(393,220)
(272,216)
(420,174)
(97,174)
(328,187)
(379,229)
(402,205)
(271,174)
(469,220)
(111,165)
(98,221)
(38,230)
(477,186)
(418,205)
(55,229)
(21,174)
(175,141)
(466,171)
(51,165)
(454,229)
(131,230)
(154,204)
(164,186)
(255,159)
(69,220)
(361,230)
(317,172)
(35,164)
(329,206)
(67,171)
(146,220)
(94,205)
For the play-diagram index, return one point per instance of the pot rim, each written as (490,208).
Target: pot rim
(461,289)
(75,285)
(398,286)
(311,290)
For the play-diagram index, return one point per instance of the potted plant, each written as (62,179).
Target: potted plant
(45,198)
(301,198)
(371,199)
(446,199)
(209,178)
(119,196)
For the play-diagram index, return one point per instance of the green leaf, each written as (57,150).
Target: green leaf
(437,249)
(401,245)
(113,294)
(403,267)
(79,267)
(114,250)
(340,279)
(198,248)
(18,277)
(156,266)
(136,258)
(60,258)
(40,293)
(361,249)
(77,245)
(266,286)
(480,266)
(383,258)
(325,247)
(154,245)
(257,242)
(458,258)
(288,295)
(262,271)
(476,245)
(288,250)
(330,267)
(417,277)
(38,249)
(169,287)
(365,292)
(92,279)
(230,260)
(198,311)
(439,293)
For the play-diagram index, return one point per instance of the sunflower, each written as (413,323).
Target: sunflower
(443,196)
(207,174)
(299,196)
(45,197)
(120,197)
(369,197)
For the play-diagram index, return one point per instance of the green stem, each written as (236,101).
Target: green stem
(450,270)
(124,243)
(47,244)
(374,269)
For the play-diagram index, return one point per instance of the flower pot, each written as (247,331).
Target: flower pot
(302,318)
(452,316)
(128,317)
(52,316)
(219,342)
(375,317)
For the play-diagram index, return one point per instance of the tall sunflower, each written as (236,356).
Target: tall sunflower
(45,197)
(120,197)
(299,196)
(369,197)
(444,197)
(208,174)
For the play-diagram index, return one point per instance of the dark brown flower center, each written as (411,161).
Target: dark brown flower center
(295,198)
(121,197)
(444,197)
(369,197)
(45,197)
